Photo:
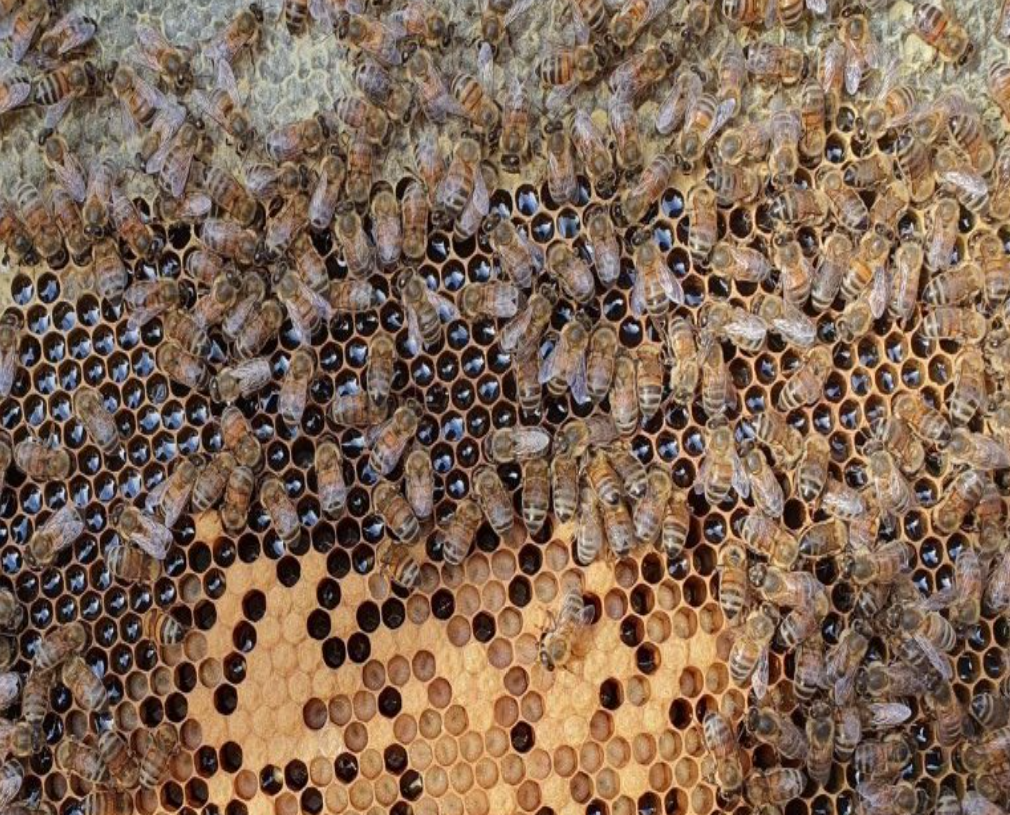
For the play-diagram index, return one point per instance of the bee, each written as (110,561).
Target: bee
(332,488)
(878,798)
(79,759)
(562,184)
(174,64)
(296,15)
(630,471)
(495,299)
(764,486)
(655,285)
(399,566)
(38,221)
(915,164)
(306,308)
(888,208)
(721,469)
(845,203)
(938,28)
(566,69)
(926,422)
(230,195)
(882,565)
(509,444)
(382,90)
(650,510)
(638,199)
(797,626)
(824,539)
(783,441)
(536,492)
(59,532)
(703,232)
(19,739)
(777,64)
(908,260)
(576,435)
(493,499)
(796,206)
(808,673)
(779,785)
(942,234)
(564,472)
(356,410)
(297,140)
(360,170)
(476,104)
(717,391)
(743,13)
(893,492)
(785,132)
(10,342)
(704,117)
(104,802)
(11,612)
(295,386)
(687,87)
(514,143)
(385,229)
(882,759)
(796,272)
(600,361)
(13,233)
(41,462)
(137,527)
(733,584)
(211,481)
(241,380)
(563,636)
(998,84)
(685,372)
(66,168)
(748,657)
(281,509)
(767,537)
(459,184)
(124,770)
(520,259)
(432,95)
(181,366)
(87,689)
(740,263)
(61,86)
(625,127)
(395,512)
(723,762)
(238,437)
(414,228)
(977,450)
(790,589)
(990,710)
(161,745)
(813,106)
(593,153)
(603,478)
(564,368)
(785,318)
(242,32)
(424,309)
(589,532)
(131,564)
(969,394)
(526,370)
(995,268)
(571,271)
(460,532)
(806,386)
(895,435)
(99,423)
(389,439)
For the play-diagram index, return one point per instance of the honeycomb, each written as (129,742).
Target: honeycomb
(297,673)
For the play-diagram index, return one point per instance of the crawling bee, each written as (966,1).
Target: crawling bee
(563,636)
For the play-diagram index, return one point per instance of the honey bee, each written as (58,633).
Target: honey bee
(589,532)
(382,90)
(459,184)
(779,785)
(414,229)
(936,26)
(99,423)
(630,471)
(395,512)
(743,264)
(655,285)
(431,91)
(845,203)
(57,89)
(926,422)
(520,259)
(895,435)
(238,437)
(459,534)
(496,299)
(806,386)
(385,229)
(638,199)
(798,626)
(882,759)
(66,168)
(242,32)
(241,380)
(514,143)
(389,439)
(764,487)
(685,371)
(843,661)
(718,393)
(888,208)
(19,739)
(879,798)
(603,478)
(297,140)
(687,87)
(39,223)
(766,537)
(783,441)
(600,361)
(995,268)
(721,469)
(87,689)
(565,70)
(977,450)
(748,657)
(625,127)
(564,473)
(230,195)
(14,234)
(59,532)
(306,308)
(162,744)
(399,566)
(990,710)
(476,104)
(509,444)
(281,509)
(493,499)
(593,153)
(969,394)
(562,184)
(790,589)
(722,764)
(425,309)
(75,758)
(733,583)
(332,488)
(137,527)
(894,494)
(124,770)
(41,462)
(174,64)
(181,366)
(785,318)
(357,410)
(11,612)
(915,164)
(650,510)
(777,64)
(536,493)
(808,674)
(360,170)
(704,117)
(908,260)
(785,132)
(571,271)
(564,368)
(813,106)
(131,564)
(564,634)
(10,341)
(526,370)
(294,390)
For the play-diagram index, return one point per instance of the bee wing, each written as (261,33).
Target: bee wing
(844,686)
(671,285)
(888,714)
(853,73)
(174,176)
(699,485)
(518,10)
(480,199)
(880,292)
(77,29)
(750,328)
(638,294)
(577,380)
(55,113)
(485,67)
(8,369)
(759,681)
(446,308)
(551,366)
(723,114)
(818,6)
(154,497)
(151,42)
(157,159)
(741,482)
(18,83)
(225,78)
(937,659)
(514,330)
(155,539)
(10,784)
(195,205)
(70,174)
(22,38)
(558,97)
(968,182)
(10,688)
(832,64)
(414,339)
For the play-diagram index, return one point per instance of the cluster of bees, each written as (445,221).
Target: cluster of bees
(878,238)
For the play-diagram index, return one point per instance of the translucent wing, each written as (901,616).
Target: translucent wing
(8,368)
(551,366)
(75,29)
(844,686)
(518,10)
(558,97)
(577,380)
(226,80)
(154,539)
(741,483)
(638,294)
(584,618)
(446,308)
(880,292)
(11,777)
(173,177)
(22,38)
(150,42)
(818,6)
(413,331)
(18,84)
(937,659)
(480,200)
(723,114)
(853,74)
(485,67)
(671,285)
(759,681)
(70,174)
(513,331)
(10,688)
(795,326)
(969,183)
(194,205)
(888,714)
(55,113)
(832,65)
